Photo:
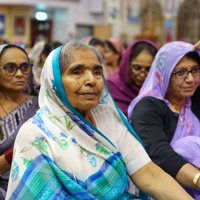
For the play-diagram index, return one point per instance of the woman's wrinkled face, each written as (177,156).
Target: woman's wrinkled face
(183,88)
(82,80)
(139,68)
(110,56)
(13,57)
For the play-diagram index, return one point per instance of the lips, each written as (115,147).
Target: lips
(19,83)
(89,94)
(189,89)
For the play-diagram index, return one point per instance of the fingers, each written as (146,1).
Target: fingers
(197,45)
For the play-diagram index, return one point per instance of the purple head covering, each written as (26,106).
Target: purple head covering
(122,89)
(186,139)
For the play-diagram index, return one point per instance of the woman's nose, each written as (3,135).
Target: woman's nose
(19,72)
(89,77)
(189,77)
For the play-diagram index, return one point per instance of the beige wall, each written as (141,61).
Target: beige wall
(10,13)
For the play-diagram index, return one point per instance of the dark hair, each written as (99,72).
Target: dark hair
(194,56)
(109,44)
(139,47)
(55,44)
(47,49)
(9,46)
(95,41)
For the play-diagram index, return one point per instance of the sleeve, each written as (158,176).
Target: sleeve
(9,155)
(149,122)
(133,153)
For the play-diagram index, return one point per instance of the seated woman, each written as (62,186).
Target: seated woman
(38,55)
(114,51)
(166,113)
(134,67)
(18,102)
(80,145)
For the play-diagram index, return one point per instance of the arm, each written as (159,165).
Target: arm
(155,127)
(148,122)
(4,165)
(157,184)
(197,45)
(186,175)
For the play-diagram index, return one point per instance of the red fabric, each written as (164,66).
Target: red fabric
(8,155)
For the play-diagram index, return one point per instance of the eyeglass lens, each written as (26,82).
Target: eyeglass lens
(12,69)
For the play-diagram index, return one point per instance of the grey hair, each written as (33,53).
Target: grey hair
(67,52)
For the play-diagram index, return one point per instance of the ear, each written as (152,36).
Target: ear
(43,57)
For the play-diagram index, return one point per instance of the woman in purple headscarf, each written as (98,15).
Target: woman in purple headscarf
(166,113)
(125,84)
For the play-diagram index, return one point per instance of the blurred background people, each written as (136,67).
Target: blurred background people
(166,114)
(37,56)
(18,102)
(96,42)
(114,51)
(125,84)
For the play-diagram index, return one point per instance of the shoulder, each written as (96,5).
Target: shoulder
(150,103)
(28,130)
(151,109)
(196,103)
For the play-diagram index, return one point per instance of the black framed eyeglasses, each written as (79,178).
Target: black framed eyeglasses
(11,69)
(139,68)
(184,73)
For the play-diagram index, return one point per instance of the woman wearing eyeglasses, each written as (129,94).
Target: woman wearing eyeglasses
(134,68)
(166,114)
(18,102)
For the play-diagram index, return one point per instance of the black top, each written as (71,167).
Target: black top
(155,123)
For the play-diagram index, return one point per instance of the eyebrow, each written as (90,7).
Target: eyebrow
(13,63)
(185,67)
(75,67)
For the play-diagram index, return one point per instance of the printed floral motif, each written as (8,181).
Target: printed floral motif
(15,171)
(102,149)
(189,127)
(90,157)
(40,144)
(36,120)
(69,124)
(81,124)
(27,162)
(63,135)
(158,76)
(63,144)
(47,93)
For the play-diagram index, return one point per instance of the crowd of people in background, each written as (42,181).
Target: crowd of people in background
(85,111)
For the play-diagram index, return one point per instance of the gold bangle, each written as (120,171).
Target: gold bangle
(196,178)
